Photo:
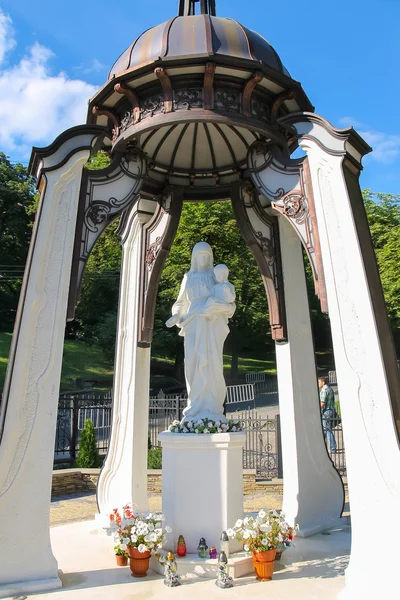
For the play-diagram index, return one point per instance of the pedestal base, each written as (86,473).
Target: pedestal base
(18,588)
(202,491)
(239,565)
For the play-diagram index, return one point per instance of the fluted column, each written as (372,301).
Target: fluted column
(123,478)
(30,398)
(313,491)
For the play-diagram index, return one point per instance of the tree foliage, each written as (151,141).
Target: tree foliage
(88,455)
(17,201)
(214,223)
(383,211)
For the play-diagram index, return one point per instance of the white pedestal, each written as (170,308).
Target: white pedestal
(240,564)
(202,491)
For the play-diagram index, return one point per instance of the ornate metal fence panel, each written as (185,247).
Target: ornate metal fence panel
(339,457)
(262,451)
(240,393)
(73,410)
(163,409)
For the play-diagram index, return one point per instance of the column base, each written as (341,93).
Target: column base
(202,492)
(324,526)
(31,586)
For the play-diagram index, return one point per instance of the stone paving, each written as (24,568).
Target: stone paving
(83,507)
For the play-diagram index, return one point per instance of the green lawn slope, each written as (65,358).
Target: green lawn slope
(79,361)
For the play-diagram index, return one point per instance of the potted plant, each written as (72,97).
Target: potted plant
(137,534)
(261,536)
(121,556)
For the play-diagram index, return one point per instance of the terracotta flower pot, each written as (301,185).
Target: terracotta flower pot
(122,561)
(263,563)
(138,562)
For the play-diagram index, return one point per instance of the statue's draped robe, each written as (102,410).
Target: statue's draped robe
(204,341)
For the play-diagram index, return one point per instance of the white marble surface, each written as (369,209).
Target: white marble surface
(202,491)
(370,436)
(201,311)
(123,478)
(313,492)
(26,451)
(89,572)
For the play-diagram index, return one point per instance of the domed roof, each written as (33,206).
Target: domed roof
(197,36)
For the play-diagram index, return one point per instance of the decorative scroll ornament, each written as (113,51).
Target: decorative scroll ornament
(267,247)
(293,198)
(261,232)
(188,98)
(152,253)
(294,206)
(158,235)
(104,195)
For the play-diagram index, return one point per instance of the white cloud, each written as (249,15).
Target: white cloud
(385,146)
(7,41)
(95,66)
(35,104)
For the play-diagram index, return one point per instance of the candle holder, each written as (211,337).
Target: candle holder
(224,543)
(224,580)
(213,552)
(171,577)
(202,548)
(181,547)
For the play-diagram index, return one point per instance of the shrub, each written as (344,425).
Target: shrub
(88,455)
(154,458)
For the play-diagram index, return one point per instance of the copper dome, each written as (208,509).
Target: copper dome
(197,36)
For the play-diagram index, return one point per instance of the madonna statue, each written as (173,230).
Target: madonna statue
(204,305)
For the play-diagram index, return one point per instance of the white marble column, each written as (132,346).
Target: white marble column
(362,362)
(123,478)
(29,407)
(313,491)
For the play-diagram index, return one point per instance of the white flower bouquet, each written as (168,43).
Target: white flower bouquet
(267,531)
(143,531)
(205,426)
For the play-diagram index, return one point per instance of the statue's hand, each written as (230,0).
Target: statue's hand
(172,321)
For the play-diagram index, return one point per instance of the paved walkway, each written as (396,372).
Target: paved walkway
(82,507)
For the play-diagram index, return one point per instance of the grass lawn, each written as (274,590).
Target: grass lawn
(87,362)
(79,361)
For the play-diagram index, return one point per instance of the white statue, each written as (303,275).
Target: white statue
(204,305)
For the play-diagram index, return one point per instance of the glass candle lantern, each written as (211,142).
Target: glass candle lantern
(202,548)
(181,547)
(224,543)
(213,552)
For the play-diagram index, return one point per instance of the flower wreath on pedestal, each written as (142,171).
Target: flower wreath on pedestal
(205,426)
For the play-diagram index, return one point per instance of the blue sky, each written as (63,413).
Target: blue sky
(53,56)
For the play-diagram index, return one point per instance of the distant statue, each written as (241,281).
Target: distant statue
(204,305)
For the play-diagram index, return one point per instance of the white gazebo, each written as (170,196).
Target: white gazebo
(201,109)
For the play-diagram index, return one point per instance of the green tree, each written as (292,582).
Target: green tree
(88,455)
(214,223)
(17,201)
(383,211)
(96,314)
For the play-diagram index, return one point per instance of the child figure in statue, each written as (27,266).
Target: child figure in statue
(222,293)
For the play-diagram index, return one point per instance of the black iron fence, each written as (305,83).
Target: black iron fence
(262,452)
(73,410)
